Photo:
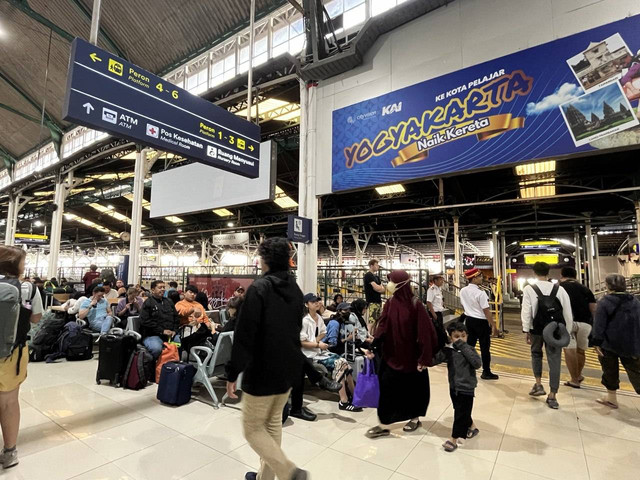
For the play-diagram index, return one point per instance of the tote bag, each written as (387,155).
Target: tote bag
(169,354)
(367,393)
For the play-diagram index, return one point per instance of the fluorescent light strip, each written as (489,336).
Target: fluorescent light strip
(283,200)
(390,189)
(223,212)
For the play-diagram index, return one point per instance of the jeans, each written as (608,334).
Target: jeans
(611,370)
(262,424)
(480,330)
(154,344)
(102,325)
(554,359)
(462,407)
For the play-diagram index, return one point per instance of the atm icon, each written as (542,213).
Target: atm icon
(109,115)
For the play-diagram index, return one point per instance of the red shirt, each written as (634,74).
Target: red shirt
(88,278)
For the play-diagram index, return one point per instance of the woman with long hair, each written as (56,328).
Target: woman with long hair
(13,368)
(406,339)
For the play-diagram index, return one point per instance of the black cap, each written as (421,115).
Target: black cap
(311,297)
(344,306)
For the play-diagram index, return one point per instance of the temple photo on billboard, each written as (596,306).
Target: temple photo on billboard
(597,114)
(601,62)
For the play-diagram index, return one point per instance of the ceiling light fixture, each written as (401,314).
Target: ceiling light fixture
(230,224)
(223,212)
(390,189)
(283,200)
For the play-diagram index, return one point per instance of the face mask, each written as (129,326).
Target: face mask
(392,286)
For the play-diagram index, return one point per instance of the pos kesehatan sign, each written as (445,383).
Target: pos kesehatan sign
(573,95)
(110,94)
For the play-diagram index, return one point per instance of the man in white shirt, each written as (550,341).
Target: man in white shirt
(434,298)
(533,327)
(479,321)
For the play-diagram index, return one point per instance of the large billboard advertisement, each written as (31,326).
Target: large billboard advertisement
(573,95)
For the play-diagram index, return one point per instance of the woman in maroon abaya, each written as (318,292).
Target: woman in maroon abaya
(406,339)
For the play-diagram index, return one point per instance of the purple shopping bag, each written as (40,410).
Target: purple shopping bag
(367,391)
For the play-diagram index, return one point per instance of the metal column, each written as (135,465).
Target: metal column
(140,171)
(589,253)
(9,231)
(496,251)
(340,246)
(638,221)
(308,202)
(578,254)
(250,73)
(60,196)
(95,22)
(456,251)
(596,263)
(503,260)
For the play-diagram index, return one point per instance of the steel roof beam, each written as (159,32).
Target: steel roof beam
(105,36)
(7,158)
(23,6)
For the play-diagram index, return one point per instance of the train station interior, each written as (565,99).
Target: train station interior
(166,143)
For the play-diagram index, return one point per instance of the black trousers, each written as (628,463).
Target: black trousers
(611,370)
(462,407)
(297,390)
(480,330)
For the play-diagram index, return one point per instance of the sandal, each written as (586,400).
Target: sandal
(449,446)
(581,379)
(607,403)
(572,385)
(473,433)
(412,426)
(376,432)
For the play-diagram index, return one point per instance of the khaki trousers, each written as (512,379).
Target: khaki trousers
(262,423)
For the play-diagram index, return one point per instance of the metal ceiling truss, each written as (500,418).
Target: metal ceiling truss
(23,5)
(104,35)
(8,159)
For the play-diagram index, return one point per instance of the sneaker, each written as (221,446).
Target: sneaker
(251,476)
(537,390)
(300,475)
(489,376)
(329,385)
(553,403)
(349,407)
(9,459)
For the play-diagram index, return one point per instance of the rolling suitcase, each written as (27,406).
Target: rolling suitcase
(176,380)
(115,350)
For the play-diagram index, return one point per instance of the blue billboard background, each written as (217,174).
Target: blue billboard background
(535,118)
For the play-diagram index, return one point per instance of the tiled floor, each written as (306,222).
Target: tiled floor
(72,428)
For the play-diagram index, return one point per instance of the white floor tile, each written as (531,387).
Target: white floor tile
(223,468)
(614,423)
(172,459)
(502,472)
(32,417)
(106,472)
(297,450)
(129,438)
(532,454)
(551,435)
(224,434)
(334,465)
(59,463)
(484,446)
(624,452)
(108,415)
(600,469)
(326,430)
(387,452)
(428,461)
(42,437)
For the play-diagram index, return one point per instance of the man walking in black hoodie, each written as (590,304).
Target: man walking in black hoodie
(266,347)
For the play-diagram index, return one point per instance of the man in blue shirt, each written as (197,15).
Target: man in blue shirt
(97,312)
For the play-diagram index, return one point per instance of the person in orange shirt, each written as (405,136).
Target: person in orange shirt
(188,306)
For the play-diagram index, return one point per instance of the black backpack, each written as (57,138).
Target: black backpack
(44,341)
(549,309)
(72,343)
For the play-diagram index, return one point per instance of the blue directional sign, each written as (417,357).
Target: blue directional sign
(108,93)
(299,229)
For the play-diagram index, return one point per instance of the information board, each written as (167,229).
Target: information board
(108,93)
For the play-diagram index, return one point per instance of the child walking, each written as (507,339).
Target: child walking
(462,363)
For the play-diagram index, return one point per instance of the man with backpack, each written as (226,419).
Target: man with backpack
(542,303)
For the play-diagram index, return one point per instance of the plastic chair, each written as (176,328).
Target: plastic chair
(133,324)
(213,365)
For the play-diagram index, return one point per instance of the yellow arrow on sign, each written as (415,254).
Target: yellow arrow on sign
(251,147)
(95,58)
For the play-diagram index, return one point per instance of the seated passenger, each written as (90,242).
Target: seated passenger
(337,300)
(159,320)
(232,310)
(363,337)
(189,306)
(97,311)
(72,306)
(311,336)
(173,287)
(109,293)
(336,328)
(130,306)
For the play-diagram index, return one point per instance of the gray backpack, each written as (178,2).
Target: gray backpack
(14,317)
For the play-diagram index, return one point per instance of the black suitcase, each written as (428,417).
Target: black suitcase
(176,380)
(114,353)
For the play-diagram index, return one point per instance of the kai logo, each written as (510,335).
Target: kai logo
(115,67)
(393,108)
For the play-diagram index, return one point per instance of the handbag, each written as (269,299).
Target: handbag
(367,391)
(169,354)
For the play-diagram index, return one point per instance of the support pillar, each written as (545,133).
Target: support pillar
(142,167)
(496,250)
(62,189)
(503,263)
(456,250)
(596,263)
(589,253)
(9,232)
(307,199)
(340,261)
(577,254)
(638,223)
